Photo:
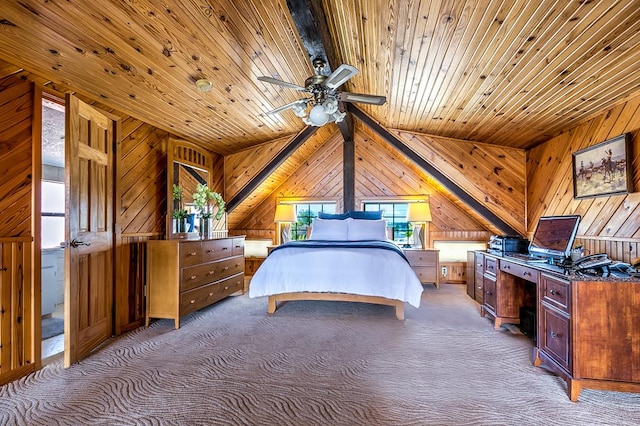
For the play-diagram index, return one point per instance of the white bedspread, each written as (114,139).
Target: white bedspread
(363,271)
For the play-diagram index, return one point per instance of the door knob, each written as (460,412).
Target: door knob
(76,243)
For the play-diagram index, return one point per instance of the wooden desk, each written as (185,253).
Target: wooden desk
(588,328)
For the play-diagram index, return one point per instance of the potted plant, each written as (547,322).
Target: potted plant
(207,202)
(179,213)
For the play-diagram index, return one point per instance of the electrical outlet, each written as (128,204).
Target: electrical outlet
(444,271)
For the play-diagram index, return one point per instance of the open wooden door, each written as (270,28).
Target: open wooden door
(89,227)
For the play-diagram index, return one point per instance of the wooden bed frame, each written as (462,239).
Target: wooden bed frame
(339,297)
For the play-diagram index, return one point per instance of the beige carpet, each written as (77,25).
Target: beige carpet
(313,363)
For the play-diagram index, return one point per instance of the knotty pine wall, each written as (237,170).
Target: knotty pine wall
(609,224)
(380,171)
(19,300)
(140,185)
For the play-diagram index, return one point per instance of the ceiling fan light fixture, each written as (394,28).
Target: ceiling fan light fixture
(330,106)
(204,85)
(299,109)
(317,116)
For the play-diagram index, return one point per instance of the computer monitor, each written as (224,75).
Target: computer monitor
(554,236)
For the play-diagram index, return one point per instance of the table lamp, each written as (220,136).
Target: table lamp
(285,214)
(419,215)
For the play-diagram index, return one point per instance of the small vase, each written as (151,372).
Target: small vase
(180,225)
(205,228)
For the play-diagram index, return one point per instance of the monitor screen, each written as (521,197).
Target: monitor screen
(554,236)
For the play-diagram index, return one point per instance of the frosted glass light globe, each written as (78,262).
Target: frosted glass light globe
(317,116)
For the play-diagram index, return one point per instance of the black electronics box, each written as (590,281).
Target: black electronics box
(505,243)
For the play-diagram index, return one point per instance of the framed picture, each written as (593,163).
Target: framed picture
(603,169)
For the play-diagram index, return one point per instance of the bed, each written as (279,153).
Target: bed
(345,259)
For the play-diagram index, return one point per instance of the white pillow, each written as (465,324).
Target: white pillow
(365,229)
(329,229)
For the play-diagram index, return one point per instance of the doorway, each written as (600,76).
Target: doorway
(53,225)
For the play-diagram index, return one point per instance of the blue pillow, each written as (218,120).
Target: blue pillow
(338,216)
(370,215)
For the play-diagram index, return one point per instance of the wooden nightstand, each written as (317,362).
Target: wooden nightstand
(425,263)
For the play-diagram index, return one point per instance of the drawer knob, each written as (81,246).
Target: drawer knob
(193,301)
(224,248)
(226,267)
(226,288)
(193,253)
(554,335)
(212,272)
(525,273)
(192,277)
(211,294)
(553,292)
(209,251)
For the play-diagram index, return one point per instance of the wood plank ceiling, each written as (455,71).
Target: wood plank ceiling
(512,73)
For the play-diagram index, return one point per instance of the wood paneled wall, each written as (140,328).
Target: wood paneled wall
(381,171)
(493,175)
(609,224)
(242,167)
(19,301)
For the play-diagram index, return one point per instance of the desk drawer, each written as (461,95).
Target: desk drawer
(554,338)
(518,270)
(490,265)
(556,292)
(238,247)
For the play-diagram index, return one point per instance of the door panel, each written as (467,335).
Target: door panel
(89,181)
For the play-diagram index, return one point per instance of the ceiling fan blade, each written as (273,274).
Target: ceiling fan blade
(281,83)
(362,98)
(343,73)
(301,102)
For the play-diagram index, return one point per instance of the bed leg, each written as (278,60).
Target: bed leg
(400,310)
(271,307)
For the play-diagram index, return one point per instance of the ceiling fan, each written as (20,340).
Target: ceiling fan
(324,95)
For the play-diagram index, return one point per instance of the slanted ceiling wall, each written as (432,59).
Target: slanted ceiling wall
(380,171)
(609,224)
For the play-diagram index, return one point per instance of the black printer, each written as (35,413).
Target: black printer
(508,244)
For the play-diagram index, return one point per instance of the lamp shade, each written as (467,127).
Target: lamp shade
(285,213)
(419,212)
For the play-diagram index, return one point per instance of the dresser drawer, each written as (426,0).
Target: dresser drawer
(421,257)
(231,285)
(425,274)
(554,335)
(191,301)
(518,270)
(216,249)
(555,292)
(190,253)
(195,276)
(238,247)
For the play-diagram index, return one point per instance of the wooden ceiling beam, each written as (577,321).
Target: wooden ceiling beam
(311,22)
(433,172)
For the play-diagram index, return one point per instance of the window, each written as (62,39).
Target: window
(305,213)
(395,213)
(52,214)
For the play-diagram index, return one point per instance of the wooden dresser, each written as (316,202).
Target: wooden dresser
(186,275)
(425,264)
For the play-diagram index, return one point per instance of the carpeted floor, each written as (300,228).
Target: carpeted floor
(313,363)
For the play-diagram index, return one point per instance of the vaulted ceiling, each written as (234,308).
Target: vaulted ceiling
(512,73)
